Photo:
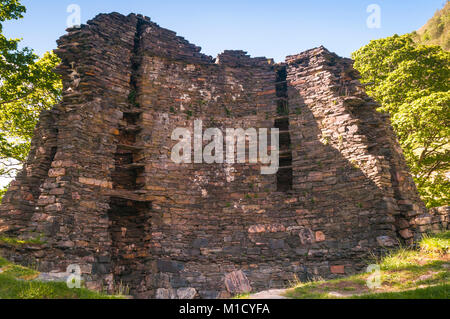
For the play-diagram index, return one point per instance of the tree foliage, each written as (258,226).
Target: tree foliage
(411,81)
(28,85)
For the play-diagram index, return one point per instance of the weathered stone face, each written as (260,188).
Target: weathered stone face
(101,190)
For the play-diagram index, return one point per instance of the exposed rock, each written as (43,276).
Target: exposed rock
(386,241)
(186,293)
(237,283)
(163,293)
(270,294)
(53,277)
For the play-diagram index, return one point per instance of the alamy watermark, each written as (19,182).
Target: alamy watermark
(214,151)
(374,19)
(374,279)
(74,19)
(74,279)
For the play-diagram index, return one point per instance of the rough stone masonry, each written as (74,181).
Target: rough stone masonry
(99,189)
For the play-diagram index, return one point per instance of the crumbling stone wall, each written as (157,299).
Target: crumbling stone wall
(100,190)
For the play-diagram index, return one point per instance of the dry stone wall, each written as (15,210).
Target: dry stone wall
(100,190)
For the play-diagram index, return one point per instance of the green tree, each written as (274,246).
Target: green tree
(411,82)
(28,85)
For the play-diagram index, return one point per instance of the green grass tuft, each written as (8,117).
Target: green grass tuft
(19,242)
(439,243)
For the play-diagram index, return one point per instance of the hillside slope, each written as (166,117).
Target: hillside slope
(437,29)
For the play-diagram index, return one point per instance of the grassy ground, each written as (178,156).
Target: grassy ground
(405,274)
(16,282)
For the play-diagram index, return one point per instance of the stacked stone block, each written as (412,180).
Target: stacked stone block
(102,192)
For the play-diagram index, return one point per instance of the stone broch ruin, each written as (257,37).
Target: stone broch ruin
(99,188)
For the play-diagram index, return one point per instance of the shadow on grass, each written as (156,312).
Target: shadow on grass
(435,292)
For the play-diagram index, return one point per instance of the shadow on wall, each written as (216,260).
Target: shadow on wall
(334,214)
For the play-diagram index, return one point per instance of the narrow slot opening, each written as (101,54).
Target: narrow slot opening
(284,174)
(129,230)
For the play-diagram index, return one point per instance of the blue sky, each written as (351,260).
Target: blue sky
(274,29)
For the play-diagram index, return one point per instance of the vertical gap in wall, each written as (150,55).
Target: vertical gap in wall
(128,214)
(128,173)
(284,174)
(136,60)
(129,228)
